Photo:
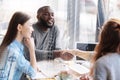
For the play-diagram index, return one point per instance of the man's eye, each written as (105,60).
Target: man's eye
(45,14)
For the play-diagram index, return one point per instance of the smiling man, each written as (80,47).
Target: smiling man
(46,36)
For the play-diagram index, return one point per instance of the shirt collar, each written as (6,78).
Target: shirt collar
(18,44)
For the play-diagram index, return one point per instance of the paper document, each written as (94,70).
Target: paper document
(39,76)
(79,68)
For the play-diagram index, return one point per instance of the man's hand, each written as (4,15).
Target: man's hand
(66,55)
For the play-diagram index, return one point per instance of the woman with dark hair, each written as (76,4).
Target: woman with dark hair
(12,61)
(106,61)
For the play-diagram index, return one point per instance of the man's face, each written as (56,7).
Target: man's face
(47,18)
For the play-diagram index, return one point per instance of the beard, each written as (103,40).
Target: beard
(45,23)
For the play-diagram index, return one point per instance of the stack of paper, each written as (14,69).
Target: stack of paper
(79,68)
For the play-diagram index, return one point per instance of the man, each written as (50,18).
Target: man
(46,36)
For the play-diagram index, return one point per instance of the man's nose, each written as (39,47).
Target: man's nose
(51,16)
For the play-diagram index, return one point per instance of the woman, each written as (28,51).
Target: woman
(106,61)
(12,61)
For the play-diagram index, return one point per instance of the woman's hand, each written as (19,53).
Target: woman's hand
(85,77)
(29,42)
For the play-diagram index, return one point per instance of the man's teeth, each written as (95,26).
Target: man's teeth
(50,22)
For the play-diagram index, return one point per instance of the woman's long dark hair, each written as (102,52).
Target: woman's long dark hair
(17,18)
(109,40)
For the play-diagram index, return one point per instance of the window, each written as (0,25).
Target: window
(82,17)
(76,19)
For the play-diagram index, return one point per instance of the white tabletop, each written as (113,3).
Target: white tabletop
(52,68)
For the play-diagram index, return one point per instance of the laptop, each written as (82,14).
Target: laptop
(84,47)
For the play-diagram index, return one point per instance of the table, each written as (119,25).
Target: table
(55,69)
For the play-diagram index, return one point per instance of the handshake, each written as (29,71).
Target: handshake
(69,54)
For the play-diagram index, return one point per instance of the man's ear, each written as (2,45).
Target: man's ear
(19,27)
(39,15)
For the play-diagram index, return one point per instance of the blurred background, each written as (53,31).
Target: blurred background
(79,21)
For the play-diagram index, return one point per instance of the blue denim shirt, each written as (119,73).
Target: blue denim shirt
(14,63)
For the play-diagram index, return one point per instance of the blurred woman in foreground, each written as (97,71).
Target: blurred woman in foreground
(106,61)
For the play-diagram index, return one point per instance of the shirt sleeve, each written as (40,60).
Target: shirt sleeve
(25,66)
(44,55)
(40,54)
(100,71)
(58,45)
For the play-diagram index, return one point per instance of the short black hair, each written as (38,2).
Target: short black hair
(41,9)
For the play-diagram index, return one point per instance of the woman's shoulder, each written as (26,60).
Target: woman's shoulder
(13,50)
(108,59)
